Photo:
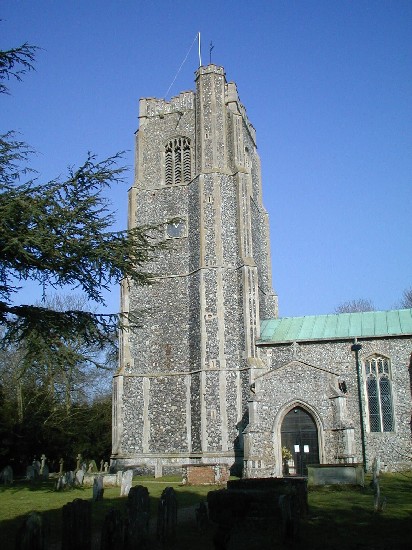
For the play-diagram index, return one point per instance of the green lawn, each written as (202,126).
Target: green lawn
(339,518)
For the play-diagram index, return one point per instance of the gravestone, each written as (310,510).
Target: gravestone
(61,463)
(76,525)
(106,467)
(69,478)
(32,533)
(78,461)
(45,472)
(36,467)
(127,479)
(43,463)
(7,475)
(378,502)
(167,516)
(138,516)
(201,516)
(30,473)
(98,488)
(113,531)
(92,467)
(60,483)
(79,478)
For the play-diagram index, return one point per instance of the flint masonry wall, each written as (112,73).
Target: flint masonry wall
(182,387)
(308,374)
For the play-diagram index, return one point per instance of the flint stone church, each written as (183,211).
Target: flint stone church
(212,375)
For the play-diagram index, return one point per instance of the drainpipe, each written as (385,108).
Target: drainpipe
(356,347)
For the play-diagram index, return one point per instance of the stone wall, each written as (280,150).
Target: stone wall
(308,375)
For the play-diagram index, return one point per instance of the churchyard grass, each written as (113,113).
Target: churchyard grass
(339,517)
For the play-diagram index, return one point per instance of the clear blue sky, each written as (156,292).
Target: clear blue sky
(327,85)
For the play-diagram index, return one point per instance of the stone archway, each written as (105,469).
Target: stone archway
(299,434)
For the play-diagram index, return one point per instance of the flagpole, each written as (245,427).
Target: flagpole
(200,55)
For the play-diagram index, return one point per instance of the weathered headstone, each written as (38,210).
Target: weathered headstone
(98,488)
(32,535)
(106,467)
(138,515)
(69,478)
(61,463)
(201,516)
(76,525)
(60,483)
(127,479)
(379,502)
(79,478)
(7,475)
(78,461)
(45,472)
(101,465)
(30,473)
(167,516)
(36,467)
(43,462)
(92,467)
(113,531)
(158,468)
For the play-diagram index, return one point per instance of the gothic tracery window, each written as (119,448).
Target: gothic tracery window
(178,161)
(379,394)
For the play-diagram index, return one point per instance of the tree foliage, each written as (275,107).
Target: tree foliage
(59,233)
(353,306)
(406,301)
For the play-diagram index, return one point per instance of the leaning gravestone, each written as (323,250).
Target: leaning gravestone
(127,479)
(76,525)
(98,488)
(138,515)
(32,534)
(113,535)
(167,516)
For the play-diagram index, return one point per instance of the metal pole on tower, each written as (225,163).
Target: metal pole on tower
(200,55)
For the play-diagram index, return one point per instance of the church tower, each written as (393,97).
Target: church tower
(181,390)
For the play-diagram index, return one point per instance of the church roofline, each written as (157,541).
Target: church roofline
(343,326)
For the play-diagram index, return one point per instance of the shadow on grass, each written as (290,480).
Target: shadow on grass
(339,517)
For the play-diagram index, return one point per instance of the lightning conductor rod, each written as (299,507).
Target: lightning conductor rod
(200,52)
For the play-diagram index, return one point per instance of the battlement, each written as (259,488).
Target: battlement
(151,106)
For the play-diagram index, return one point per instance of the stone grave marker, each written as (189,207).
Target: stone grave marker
(113,531)
(43,462)
(167,516)
(138,516)
(78,462)
(45,472)
(30,473)
(7,475)
(79,477)
(98,488)
(76,525)
(126,485)
(36,467)
(32,535)
(201,516)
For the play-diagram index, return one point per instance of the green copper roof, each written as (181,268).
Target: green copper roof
(367,324)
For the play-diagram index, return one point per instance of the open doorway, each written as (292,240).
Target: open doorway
(299,435)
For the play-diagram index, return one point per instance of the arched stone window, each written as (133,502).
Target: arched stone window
(178,161)
(379,394)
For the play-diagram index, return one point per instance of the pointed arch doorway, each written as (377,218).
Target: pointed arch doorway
(299,435)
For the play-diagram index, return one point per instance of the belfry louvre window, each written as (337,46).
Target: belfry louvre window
(178,161)
(379,392)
